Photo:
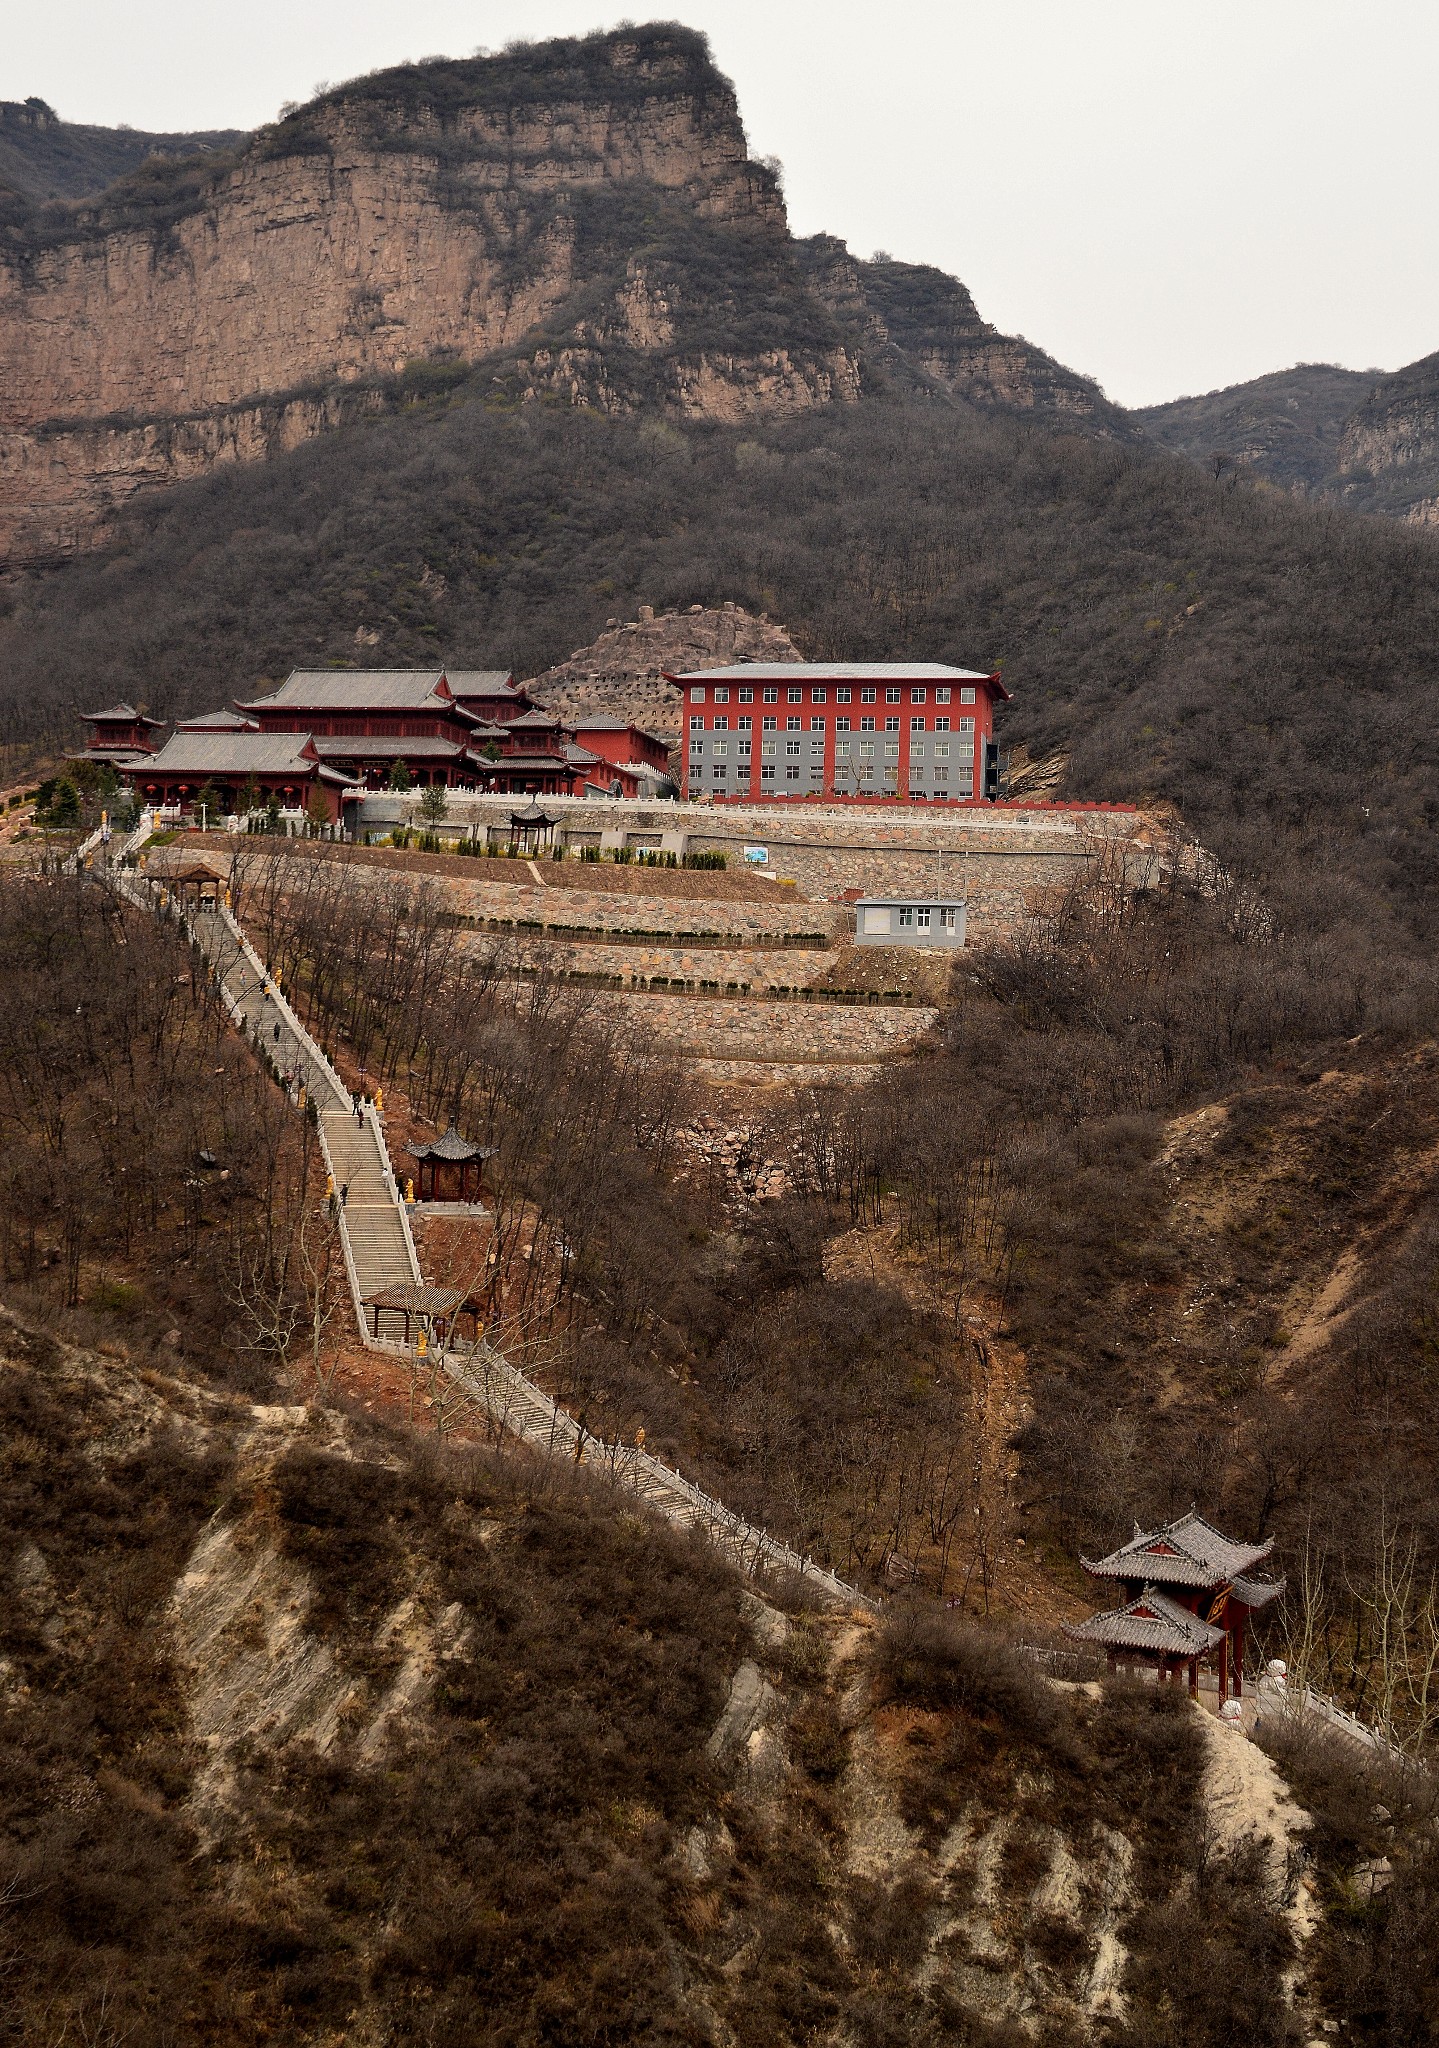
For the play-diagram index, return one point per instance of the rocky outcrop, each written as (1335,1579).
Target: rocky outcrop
(444,214)
(1389,448)
(622,674)
(576,221)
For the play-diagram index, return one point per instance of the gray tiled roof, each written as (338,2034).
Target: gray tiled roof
(216,721)
(1256,1592)
(451,1147)
(127,712)
(829,672)
(232,753)
(1189,1552)
(481,682)
(384,746)
(356,689)
(1150,1622)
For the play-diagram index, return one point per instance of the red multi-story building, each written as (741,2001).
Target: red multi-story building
(841,730)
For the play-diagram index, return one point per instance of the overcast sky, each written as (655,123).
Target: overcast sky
(1169,196)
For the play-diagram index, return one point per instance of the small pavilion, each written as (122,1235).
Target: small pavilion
(1187,1598)
(455,1157)
(531,828)
(197,882)
(433,1308)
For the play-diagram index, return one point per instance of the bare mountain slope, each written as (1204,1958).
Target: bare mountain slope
(1284,428)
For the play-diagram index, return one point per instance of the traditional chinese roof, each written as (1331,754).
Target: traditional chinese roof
(452,1149)
(1151,1621)
(482,682)
(532,815)
(534,720)
(359,689)
(419,1300)
(217,721)
(371,746)
(1189,1552)
(125,714)
(192,756)
(1254,1593)
(114,757)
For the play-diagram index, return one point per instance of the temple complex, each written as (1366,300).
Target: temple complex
(1187,1598)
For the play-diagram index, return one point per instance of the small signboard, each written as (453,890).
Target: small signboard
(757,856)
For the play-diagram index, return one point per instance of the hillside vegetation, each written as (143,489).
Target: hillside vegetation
(1267,666)
(43,158)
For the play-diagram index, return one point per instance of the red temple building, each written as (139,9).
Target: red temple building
(235,766)
(349,730)
(119,737)
(1187,1598)
(847,729)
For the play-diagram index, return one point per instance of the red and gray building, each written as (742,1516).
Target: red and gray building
(917,731)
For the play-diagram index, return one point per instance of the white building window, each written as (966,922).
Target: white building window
(916,725)
(917,696)
(697,725)
(966,695)
(941,696)
(721,696)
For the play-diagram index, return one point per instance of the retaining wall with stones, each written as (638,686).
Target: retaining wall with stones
(773,1034)
(1004,857)
(590,910)
(724,967)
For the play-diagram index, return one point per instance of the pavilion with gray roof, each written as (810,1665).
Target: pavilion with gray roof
(1189,1592)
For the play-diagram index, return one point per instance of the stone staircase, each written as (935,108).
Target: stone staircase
(380,1252)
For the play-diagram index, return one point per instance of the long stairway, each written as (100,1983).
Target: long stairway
(380,1253)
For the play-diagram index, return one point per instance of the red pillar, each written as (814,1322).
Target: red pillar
(1238,1641)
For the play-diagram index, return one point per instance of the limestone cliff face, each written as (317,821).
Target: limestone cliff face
(576,221)
(929,322)
(141,341)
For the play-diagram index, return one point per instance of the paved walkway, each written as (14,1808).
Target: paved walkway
(380,1252)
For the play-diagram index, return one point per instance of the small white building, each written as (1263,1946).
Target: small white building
(909,921)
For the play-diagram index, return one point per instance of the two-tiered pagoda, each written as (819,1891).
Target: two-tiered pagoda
(1187,1598)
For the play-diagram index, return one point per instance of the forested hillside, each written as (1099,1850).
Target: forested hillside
(1268,666)
(44,158)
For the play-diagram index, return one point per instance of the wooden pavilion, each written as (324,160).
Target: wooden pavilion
(198,882)
(453,1155)
(433,1308)
(1188,1597)
(532,828)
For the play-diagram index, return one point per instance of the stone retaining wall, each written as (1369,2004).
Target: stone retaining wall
(725,966)
(773,1034)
